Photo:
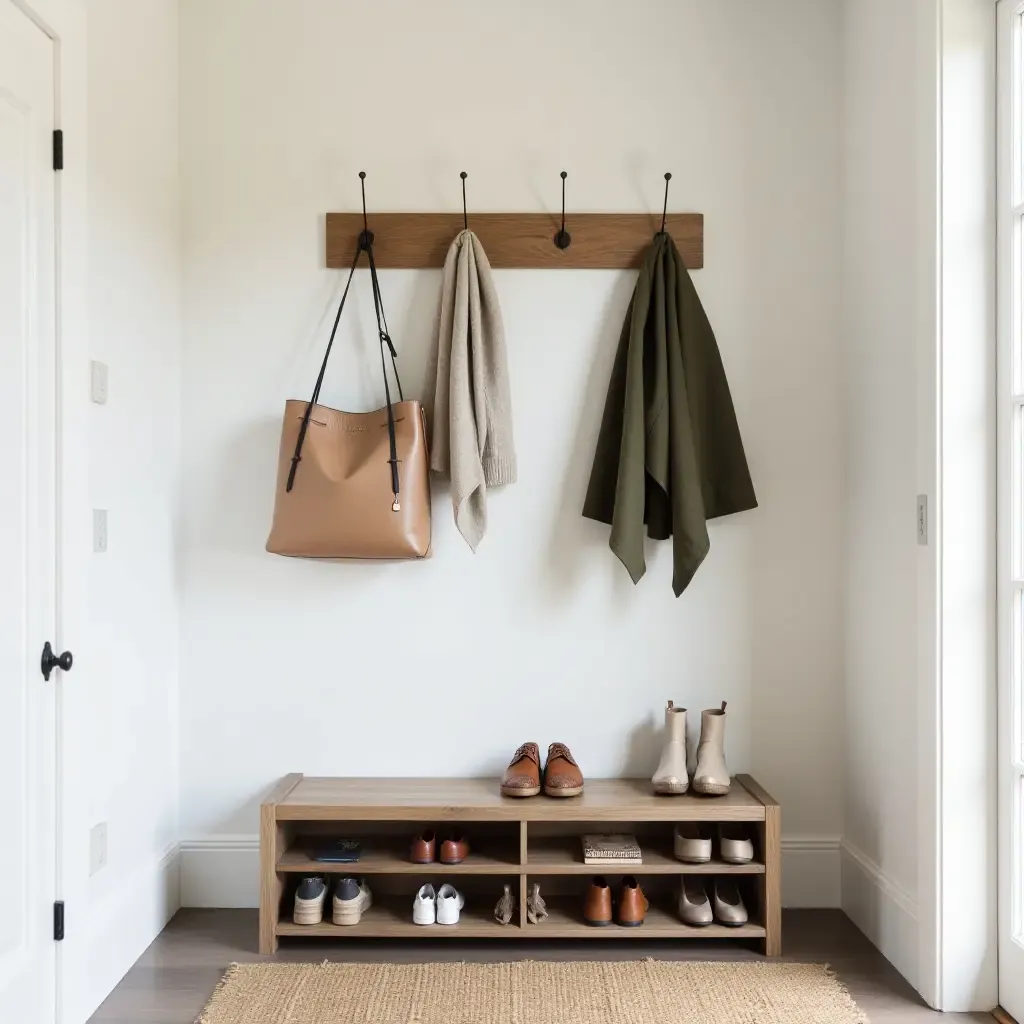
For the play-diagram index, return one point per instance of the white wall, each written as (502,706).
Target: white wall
(129,666)
(882,254)
(442,668)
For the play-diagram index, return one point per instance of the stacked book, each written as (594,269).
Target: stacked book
(611,850)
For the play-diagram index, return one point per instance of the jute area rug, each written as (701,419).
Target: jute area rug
(529,992)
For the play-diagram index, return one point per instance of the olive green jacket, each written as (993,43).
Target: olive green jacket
(669,454)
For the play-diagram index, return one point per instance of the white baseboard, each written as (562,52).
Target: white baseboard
(118,931)
(220,871)
(223,871)
(883,910)
(811,871)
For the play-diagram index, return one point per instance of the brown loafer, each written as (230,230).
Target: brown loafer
(597,907)
(423,848)
(562,776)
(455,849)
(633,904)
(522,776)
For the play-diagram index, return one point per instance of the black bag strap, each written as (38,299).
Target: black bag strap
(385,339)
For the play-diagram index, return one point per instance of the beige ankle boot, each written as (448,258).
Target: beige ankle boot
(671,777)
(712,774)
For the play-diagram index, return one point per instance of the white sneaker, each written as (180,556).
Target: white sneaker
(449,902)
(424,906)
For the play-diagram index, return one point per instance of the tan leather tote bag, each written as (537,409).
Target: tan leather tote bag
(353,485)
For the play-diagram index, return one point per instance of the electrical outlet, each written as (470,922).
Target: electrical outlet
(99,529)
(99,382)
(97,847)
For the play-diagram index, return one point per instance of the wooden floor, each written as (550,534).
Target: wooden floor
(175,977)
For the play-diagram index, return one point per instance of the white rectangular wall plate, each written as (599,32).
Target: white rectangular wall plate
(97,847)
(99,530)
(98,373)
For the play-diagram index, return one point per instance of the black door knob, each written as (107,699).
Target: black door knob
(50,661)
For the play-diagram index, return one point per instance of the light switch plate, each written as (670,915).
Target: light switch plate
(99,529)
(99,382)
(97,847)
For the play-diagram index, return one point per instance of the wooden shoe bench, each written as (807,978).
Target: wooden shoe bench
(512,841)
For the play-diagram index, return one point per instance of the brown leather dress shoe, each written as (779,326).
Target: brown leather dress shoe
(562,776)
(455,849)
(522,776)
(423,848)
(633,904)
(597,907)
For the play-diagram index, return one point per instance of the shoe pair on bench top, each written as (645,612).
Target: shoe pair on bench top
(711,776)
(561,774)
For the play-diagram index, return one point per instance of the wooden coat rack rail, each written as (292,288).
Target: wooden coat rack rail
(599,240)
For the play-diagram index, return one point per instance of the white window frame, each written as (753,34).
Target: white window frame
(1010,449)
(957,463)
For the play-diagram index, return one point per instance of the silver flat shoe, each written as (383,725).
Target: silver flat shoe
(728,903)
(694,905)
(692,842)
(734,843)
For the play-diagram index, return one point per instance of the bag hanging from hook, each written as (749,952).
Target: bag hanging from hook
(353,485)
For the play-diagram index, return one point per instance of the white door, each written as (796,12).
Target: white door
(1010,378)
(27,504)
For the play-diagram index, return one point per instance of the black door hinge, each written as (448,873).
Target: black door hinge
(58,150)
(58,921)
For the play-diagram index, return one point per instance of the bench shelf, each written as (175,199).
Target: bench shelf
(513,841)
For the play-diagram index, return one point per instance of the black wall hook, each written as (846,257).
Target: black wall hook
(465,218)
(366,235)
(664,209)
(563,239)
